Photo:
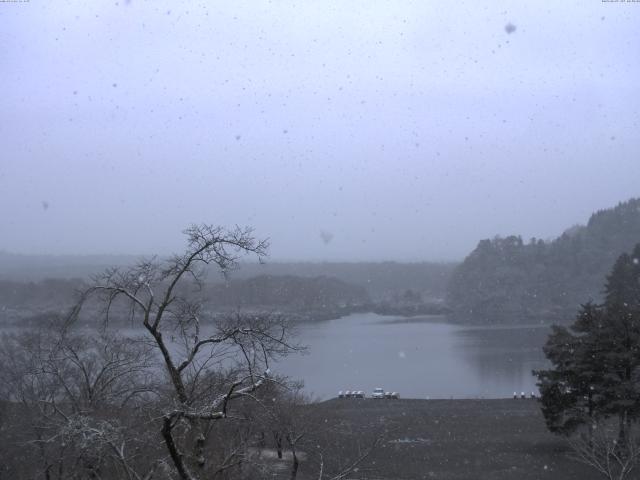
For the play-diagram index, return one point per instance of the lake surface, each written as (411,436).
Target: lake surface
(418,357)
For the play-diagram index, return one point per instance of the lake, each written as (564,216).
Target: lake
(419,357)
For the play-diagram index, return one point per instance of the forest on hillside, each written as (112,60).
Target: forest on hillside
(382,280)
(33,288)
(508,280)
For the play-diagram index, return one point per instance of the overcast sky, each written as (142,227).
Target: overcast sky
(341,130)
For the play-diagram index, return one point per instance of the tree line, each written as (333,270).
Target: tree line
(509,280)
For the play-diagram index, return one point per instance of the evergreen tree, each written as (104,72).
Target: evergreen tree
(621,356)
(595,370)
(570,391)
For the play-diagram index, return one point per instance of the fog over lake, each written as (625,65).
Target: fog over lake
(418,357)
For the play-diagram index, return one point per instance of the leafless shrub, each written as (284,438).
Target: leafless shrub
(603,449)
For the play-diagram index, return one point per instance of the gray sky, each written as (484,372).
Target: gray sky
(402,130)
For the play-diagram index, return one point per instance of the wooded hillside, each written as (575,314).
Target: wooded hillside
(508,280)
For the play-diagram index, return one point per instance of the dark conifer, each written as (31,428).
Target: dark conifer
(595,370)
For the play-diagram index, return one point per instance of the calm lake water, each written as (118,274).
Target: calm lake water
(418,357)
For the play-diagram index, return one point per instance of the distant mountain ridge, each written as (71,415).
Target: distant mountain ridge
(381,280)
(505,280)
(30,268)
(290,291)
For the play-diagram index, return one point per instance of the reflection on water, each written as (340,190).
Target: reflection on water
(504,357)
(418,357)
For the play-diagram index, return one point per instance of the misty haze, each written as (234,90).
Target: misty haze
(319,240)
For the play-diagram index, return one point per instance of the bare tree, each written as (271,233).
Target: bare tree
(312,447)
(208,363)
(287,421)
(69,396)
(348,466)
(602,449)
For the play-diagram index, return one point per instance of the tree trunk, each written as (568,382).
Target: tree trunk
(622,430)
(175,454)
(199,443)
(278,439)
(294,467)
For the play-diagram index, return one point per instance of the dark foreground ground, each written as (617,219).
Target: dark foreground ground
(455,439)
